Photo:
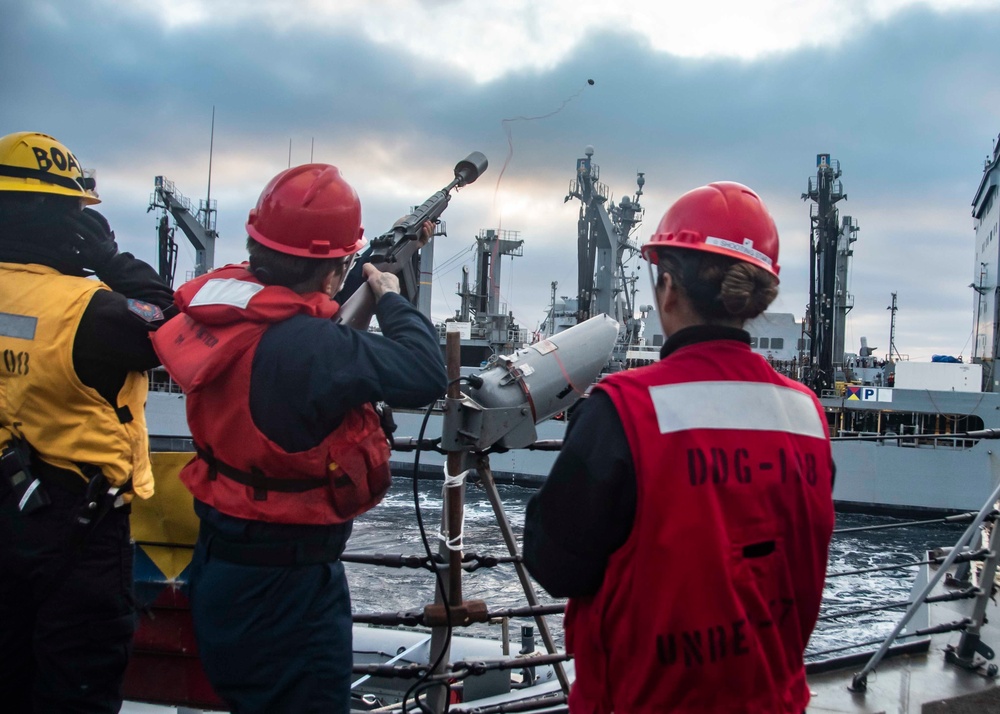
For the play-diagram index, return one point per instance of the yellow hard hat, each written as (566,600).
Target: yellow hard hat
(37,163)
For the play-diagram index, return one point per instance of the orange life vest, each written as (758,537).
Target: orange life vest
(208,349)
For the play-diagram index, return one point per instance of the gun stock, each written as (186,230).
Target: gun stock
(392,252)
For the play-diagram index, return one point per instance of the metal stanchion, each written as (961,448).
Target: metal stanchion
(486,475)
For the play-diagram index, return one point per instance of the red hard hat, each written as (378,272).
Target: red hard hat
(723,217)
(309,211)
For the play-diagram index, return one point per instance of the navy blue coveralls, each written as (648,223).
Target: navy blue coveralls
(270,601)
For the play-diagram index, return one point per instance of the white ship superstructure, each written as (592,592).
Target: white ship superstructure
(986,221)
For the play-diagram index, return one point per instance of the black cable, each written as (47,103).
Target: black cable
(960,558)
(422,682)
(437,571)
(957,518)
(879,568)
(956,626)
(419,691)
(965,594)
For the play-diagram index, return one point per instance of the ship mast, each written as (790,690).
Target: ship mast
(603,240)
(829,262)
(492,329)
(892,329)
(551,328)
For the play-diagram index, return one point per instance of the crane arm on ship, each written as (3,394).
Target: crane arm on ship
(199,229)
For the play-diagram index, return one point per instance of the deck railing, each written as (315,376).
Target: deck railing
(910,441)
(964,654)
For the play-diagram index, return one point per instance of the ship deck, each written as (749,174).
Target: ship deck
(920,682)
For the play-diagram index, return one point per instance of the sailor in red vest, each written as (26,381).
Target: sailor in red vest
(75,319)
(289,447)
(689,513)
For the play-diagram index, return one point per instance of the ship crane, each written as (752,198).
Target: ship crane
(603,240)
(492,328)
(198,227)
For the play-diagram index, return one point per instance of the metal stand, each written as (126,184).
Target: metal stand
(451,519)
(962,577)
(972,653)
(445,613)
(486,476)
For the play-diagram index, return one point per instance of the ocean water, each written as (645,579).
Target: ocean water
(391,528)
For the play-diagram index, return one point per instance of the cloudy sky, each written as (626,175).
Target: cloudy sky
(904,94)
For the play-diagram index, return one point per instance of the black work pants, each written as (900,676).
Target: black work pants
(66,625)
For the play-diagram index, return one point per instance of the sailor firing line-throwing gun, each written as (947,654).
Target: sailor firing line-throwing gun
(392,251)
(290,447)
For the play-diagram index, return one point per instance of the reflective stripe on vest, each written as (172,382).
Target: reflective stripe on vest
(67,422)
(710,602)
(735,405)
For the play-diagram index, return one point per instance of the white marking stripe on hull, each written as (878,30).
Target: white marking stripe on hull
(735,405)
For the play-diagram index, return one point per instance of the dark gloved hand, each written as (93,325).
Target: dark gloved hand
(92,246)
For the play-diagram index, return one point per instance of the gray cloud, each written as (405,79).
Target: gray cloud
(908,106)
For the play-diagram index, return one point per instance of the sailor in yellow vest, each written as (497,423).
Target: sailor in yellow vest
(75,320)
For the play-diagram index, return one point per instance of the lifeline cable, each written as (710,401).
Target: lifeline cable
(505,123)
(438,268)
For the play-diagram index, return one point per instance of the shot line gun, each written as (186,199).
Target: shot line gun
(392,251)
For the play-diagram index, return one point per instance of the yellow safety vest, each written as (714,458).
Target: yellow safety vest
(41,397)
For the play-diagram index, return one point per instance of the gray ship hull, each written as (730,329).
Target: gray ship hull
(935,472)
(900,478)
(905,481)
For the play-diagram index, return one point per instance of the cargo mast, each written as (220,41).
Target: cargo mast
(829,260)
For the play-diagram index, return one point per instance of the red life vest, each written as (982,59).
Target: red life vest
(208,349)
(710,603)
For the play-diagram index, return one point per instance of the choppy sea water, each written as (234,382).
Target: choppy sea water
(391,528)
